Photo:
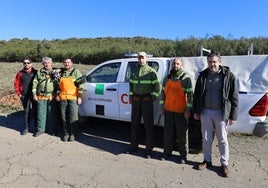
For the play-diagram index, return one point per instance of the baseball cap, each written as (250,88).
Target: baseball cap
(142,54)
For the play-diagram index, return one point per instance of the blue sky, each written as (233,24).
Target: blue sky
(161,19)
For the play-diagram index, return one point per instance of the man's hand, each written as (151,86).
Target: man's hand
(196,116)
(79,100)
(231,122)
(35,98)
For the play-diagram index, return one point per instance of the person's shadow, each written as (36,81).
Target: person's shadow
(113,136)
(12,121)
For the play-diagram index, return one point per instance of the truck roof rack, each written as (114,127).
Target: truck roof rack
(134,54)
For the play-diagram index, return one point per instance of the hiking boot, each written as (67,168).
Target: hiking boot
(225,171)
(132,149)
(166,156)
(24,132)
(38,133)
(148,155)
(65,138)
(182,160)
(72,138)
(204,165)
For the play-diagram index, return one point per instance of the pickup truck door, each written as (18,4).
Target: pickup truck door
(101,92)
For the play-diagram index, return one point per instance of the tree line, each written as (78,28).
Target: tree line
(96,50)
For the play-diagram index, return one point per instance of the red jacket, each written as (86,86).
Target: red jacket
(23,82)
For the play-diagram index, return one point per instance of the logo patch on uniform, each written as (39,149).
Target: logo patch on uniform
(99,89)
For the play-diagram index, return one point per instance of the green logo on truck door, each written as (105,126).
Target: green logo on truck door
(99,89)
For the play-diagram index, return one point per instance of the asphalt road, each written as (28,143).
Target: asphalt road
(98,159)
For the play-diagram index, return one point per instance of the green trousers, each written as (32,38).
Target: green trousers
(69,116)
(46,116)
(176,130)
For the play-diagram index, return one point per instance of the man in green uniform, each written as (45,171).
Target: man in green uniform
(70,96)
(177,104)
(144,89)
(44,91)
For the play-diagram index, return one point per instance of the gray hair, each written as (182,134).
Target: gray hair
(46,59)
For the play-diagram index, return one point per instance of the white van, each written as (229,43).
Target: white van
(106,89)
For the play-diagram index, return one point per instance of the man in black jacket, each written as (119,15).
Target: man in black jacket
(23,86)
(215,103)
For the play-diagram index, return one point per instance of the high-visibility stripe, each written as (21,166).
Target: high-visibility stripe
(143,81)
(154,94)
(187,90)
(155,81)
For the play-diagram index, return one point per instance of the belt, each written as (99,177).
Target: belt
(143,98)
(43,97)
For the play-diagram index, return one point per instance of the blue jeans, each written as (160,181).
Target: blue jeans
(213,120)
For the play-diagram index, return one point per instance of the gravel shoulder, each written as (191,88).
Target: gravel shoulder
(98,159)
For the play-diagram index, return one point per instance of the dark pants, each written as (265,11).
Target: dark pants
(69,116)
(176,130)
(142,109)
(30,109)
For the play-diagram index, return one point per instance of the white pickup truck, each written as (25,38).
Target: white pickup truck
(106,89)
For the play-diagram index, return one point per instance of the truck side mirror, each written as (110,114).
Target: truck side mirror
(84,79)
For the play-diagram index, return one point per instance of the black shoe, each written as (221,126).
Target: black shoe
(148,154)
(183,161)
(38,133)
(166,156)
(24,132)
(132,150)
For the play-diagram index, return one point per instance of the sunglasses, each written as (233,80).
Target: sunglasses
(26,63)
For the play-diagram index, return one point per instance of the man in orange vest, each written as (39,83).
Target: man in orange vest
(70,96)
(178,94)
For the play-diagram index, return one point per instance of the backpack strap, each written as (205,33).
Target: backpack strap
(71,73)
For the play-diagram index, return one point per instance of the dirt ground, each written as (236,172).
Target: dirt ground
(98,159)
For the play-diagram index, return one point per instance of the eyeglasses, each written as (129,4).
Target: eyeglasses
(26,63)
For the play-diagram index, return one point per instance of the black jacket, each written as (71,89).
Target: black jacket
(230,93)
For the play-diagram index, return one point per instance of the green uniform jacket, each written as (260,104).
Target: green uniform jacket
(143,80)
(44,83)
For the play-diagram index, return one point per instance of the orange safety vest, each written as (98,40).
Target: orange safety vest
(68,90)
(175,98)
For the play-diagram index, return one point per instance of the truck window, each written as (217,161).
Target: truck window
(132,64)
(105,74)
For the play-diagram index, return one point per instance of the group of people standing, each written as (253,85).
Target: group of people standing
(50,93)
(214,101)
